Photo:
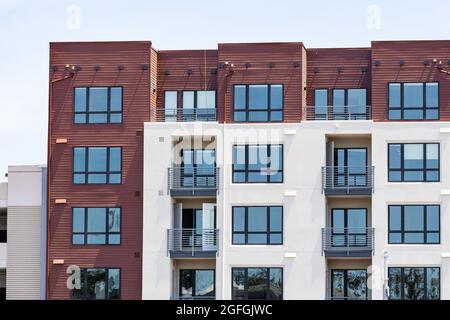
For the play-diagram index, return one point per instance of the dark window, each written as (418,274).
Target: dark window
(349,227)
(98,284)
(413,162)
(257,163)
(415,224)
(257,283)
(197,284)
(414,101)
(97,165)
(258,225)
(258,103)
(95,226)
(415,283)
(98,105)
(348,284)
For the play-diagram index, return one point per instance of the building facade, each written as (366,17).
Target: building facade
(254,171)
(22,233)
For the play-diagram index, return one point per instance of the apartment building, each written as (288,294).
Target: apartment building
(253,171)
(22,233)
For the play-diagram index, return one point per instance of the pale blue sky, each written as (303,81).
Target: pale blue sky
(26,28)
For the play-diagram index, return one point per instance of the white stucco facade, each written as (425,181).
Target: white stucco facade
(305,206)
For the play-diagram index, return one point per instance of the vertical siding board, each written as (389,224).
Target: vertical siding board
(136,111)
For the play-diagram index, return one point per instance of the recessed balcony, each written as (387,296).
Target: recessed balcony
(200,181)
(348,242)
(188,243)
(347,180)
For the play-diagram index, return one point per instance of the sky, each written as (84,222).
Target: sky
(27,27)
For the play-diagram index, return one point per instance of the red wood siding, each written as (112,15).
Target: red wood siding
(327,61)
(389,54)
(177,63)
(136,110)
(260,55)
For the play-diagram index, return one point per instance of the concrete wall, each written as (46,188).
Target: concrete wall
(305,207)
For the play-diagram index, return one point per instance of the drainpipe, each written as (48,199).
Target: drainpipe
(386,276)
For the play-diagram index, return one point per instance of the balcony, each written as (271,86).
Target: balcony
(185,115)
(343,180)
(196,243)
(348,242)
(202,181)
(337,113)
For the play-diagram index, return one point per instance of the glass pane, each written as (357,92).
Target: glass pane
(432,95)
(395,237)
(238,177)
(188,99)
(338,97)
(115,118)
(98,99)
(115,159)
(395,176)
(79,163)
(240,116)
(258,95)
(80,118)
(114,284)
(186,283)
(257,238)
(395,156)
(275,284)
(395,283)
(78,220)
(114,178)
(96,239)
(239,157)
(78,239)
(337,284)
(239,97)
(395,115)
(257,283)
(276,218)
(356,284)
(395,218)
(413,114)
(97,159)
(257,219)
(413,176)
(238,219)
(80,99)
(258,116)
(321,98)
(432,154)
(206,99)
(114,219)
(394,95)
(338,220)
(413,157)
(414,237)
(95,286)
(356,220)
(276,158)
(238,238)
(79,178)
(257,157)
(204,283)
(275,238)
(414,283)
(98,118)
(238,283)
(170,100)
(433,283)
(432,218)
(414,218)
(357,158)
(96,221)
(276,96)
(116,99)
(413,95)
(114,239)
(357,97)
(276,116)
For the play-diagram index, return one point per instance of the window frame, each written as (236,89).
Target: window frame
(106,233)
(84,293)
(246,281)
(108,112)
(402,222)
(195,91)
(246,171)
(267,232)
(194,271)
(424,98)
(247,109)
(402,169)
(345,272)
(425,280)
(86,173)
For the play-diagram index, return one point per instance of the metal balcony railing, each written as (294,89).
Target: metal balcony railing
(199,180)
(185,114)
(198,298)
(337,113)
(347,180)
(192,241)
(348,241)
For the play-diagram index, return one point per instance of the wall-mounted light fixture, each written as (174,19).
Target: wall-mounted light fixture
(167,72)
(55,68)
(97,68)
(189,72)
(364,69)
(316,70)
(271,65)
(296,64)
(144,67)
(120,67)
(377,63)
(402,62)
(213,71)
(248,65)
(340,69)
(426,62)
